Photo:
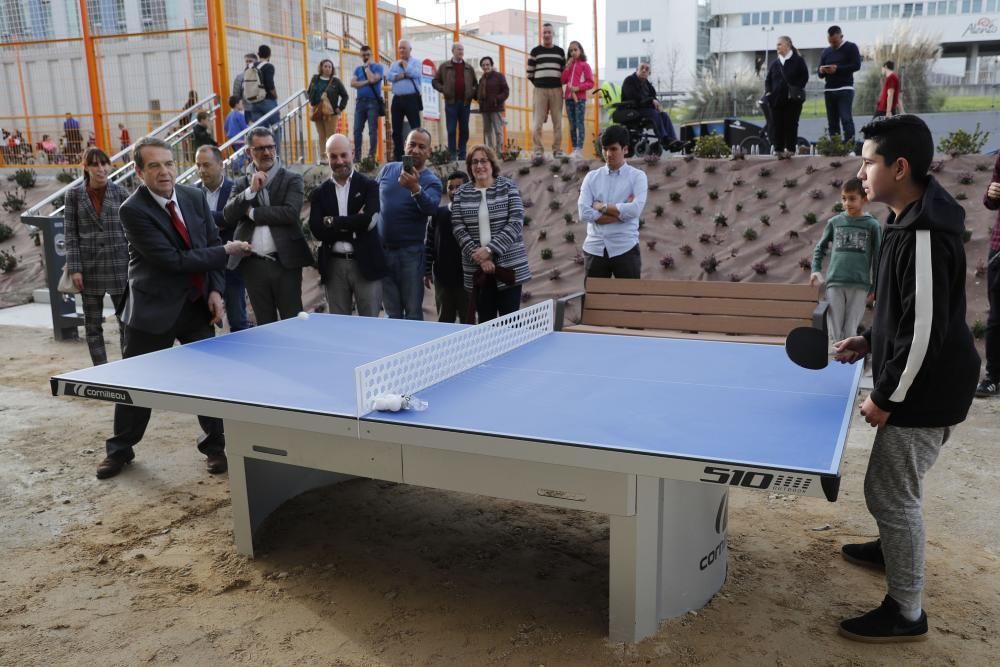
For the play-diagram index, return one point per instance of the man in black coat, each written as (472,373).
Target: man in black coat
(639,92)
(264,209)
(341,215)
(174,290)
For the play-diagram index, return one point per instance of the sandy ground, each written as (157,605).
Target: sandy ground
(142,570)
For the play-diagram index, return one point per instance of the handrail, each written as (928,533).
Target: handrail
(211,100)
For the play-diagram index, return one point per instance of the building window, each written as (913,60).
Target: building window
(755,18)
(765,18)
(788,16)
(745,19)
(623,63)
(623,26)
(646,25)
(643,59)
(918,9)
(633,25)
(154,15)
(895,11)
(862,13)
(809,16)
(776,18)
(798,16)
(633,62)
(966,6)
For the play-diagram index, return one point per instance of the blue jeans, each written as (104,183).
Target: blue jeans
(838,112)
(575,112)
(236,301)
(365,111)
(257,110)
(457,114)
(403,286)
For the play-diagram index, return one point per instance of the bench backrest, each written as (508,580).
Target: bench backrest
(718,307)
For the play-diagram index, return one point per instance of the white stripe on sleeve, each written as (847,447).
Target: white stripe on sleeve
(922,317)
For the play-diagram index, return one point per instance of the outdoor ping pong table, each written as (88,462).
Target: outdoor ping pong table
(650,431)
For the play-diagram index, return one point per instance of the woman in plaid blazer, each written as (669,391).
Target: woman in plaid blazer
(96,249)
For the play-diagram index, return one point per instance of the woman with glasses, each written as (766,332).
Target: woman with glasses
(328,99)
(577,79)
(96,248)
(487,219)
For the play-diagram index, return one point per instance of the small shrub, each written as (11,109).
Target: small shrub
(760,268)
(982,166)
(978,329)
(579,259)
(528,203)
(25,178)
(720,220)
(697,208)
(791,183)
(688,158)
(837,182)
(838,208)
(440,155)
(810,170)
(555,274)
(816,194)
(13,201)
(510,152)
(691,182)
(568,217)
(980,267)
(542,235)
(936,166)
(765,220)
(739,206)
(564,159)
(642,222)
(582,168)
(66,176)
(8,260)
(965,178)
(792,234)
(651,245)
(667,262)
(555,168)
(527,220)
(651,160)
(738,181)
(711,168)
(961,196)
(525,296)
(570,237)
(750,234)
(686,250)
(653,187)
(5,232)
(537,160)
(734,278)
(783,206)
(524,171)
(966,235)
(775,249)
(805,264)
(678,223)
(765,172)
(704,238)
(546,253)
(761,193)
(555,205)
(675,197)
(834,146)
(961,142)
(368,165)
(550,188)
(836,164)
(711,146)
(658,211)
(713,195)
(669,170)
(809,218)
(709,264)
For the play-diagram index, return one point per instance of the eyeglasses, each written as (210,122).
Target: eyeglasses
(476,163)
(263,149)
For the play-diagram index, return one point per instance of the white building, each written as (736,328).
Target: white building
(672,35)
(968,31)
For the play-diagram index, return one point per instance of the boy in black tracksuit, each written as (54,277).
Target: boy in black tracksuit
(924,364)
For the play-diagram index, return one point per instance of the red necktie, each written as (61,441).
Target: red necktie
(197,279)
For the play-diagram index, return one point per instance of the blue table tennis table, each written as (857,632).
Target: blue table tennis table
(652,432)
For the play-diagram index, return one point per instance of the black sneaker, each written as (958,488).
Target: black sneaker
(868,554)
(988,388)
(885,625)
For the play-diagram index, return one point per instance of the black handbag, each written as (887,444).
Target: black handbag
(380,101)
(795,93)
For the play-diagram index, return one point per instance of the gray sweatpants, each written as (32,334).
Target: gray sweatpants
(847,307)
(900,458)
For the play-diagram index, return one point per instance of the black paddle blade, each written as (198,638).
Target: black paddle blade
(808,347)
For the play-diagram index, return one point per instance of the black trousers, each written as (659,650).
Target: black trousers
(492,302)
(130,421)
(993,322)
(403,105)
(785,125)
(275,291)
(626,265)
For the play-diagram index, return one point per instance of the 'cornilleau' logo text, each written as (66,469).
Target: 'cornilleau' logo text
(100,393)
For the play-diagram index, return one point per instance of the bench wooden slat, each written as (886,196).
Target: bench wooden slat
(768,291)
(715,323)
(696,306)
(687,335)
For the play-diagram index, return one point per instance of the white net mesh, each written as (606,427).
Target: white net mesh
(420,367)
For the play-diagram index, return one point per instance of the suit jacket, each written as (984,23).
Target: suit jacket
(282,216)
(356,227)
(226,233)
(161,264)
(96,244)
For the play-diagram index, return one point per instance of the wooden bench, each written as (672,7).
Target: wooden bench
(751,312)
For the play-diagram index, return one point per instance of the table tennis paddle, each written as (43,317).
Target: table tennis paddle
(808,347)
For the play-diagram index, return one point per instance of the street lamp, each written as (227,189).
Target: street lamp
(767,30)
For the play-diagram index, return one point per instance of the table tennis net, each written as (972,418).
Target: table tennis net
(425,365)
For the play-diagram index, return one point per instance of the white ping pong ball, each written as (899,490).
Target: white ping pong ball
(303,315)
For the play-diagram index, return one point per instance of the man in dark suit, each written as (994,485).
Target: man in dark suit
(217,188)
(174,290)
(351,263)
(264,209)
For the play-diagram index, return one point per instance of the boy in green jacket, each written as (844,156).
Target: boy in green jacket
(850,276)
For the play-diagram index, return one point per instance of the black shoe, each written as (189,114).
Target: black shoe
(885,625)
(216,463)
(112,465)
(988,388)
(868,554)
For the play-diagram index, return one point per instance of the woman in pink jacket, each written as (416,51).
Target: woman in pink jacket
(577,79)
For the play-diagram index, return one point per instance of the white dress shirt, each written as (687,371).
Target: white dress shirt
(484,220)
(262,241)
(342,193)
(213,196)
(163,204)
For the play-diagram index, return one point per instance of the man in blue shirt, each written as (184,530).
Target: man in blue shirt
(236,122)
(367,80)
(837,64)
(405,75)
(407,198)
(611,201)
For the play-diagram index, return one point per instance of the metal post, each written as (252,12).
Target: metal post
(24,98)
(456,36)
(305,76)
(220,88)
(96,103)
(597,78)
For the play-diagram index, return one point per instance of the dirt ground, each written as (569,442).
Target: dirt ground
(141,569)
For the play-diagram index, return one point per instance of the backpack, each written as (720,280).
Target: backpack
(253,91)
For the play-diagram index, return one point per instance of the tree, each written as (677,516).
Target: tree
(914,55)
(672,65)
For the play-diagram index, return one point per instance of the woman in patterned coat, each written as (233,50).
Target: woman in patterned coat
(96,249)
(487,220)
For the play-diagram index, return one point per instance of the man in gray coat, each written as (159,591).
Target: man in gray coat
(264,209)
